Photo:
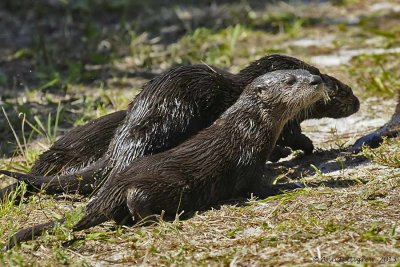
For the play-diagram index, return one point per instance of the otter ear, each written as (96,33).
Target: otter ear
(291,79)
(259,89)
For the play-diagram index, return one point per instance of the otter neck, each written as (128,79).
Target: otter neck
(255,127)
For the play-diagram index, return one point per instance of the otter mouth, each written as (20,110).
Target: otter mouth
(322,93)
(317,92)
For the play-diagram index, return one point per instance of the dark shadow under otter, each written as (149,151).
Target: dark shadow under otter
(326,161)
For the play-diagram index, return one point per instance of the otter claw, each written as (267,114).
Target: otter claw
(372,140)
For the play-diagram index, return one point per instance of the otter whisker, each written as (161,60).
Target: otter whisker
(211,68)
(325,96)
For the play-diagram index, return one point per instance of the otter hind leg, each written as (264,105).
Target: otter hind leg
(139,207)
(90,219)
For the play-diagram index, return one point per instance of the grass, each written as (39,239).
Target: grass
(97,64)
(377,74)
(387,154)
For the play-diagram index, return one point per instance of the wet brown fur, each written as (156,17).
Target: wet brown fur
(79,147)
(223,161)
(171,108)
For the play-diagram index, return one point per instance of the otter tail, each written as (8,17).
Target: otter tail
(29,233)
(81,181)
(26,234)
(109,203)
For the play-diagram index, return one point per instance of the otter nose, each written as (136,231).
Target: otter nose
(315,80)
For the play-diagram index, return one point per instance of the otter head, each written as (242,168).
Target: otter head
(272,63)
(287,91)
(342,101)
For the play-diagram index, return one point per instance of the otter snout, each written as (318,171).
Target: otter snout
(356,105)
(315,80)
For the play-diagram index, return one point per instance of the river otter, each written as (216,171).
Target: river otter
(390,129)
(174,106)
(223,161)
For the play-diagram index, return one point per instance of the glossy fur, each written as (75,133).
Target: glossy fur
(223,161)
(174,106)
(79,147)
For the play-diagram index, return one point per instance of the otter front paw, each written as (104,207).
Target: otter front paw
(279,152)
(302,142)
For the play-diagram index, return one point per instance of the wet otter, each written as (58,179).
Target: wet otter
(80,146)
(390,129)
(223,161)
(174,106)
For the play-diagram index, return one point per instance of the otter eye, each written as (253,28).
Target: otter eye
(291,80)
(343,91)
